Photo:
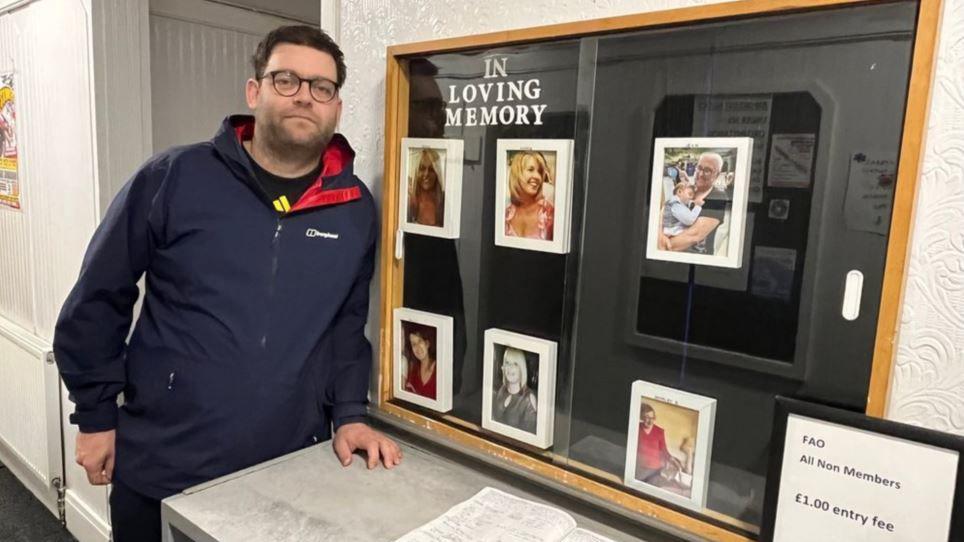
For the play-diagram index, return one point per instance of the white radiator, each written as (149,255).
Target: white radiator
(30,432)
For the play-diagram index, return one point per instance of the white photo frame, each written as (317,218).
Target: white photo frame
(510,419)
(554,155)
(688,416)
(405,321)
(444,154)
(729,187)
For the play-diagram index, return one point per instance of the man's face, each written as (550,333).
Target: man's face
(707,169)
(297,121)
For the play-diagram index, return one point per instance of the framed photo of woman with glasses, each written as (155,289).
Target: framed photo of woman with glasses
(423,358)
(430,188)
(668,444)
(519,387)
(533,194)
(698,200)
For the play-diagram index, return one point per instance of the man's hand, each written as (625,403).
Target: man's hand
(358,436)
(95,452)
(699,231)
(663,242)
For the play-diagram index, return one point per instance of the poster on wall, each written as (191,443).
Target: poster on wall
(773,272)
(870,191)
(9,175)
(835,474)
(791,160)
(669,442)
(738,115)
(698,200)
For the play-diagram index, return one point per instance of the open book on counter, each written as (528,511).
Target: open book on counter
(496,516)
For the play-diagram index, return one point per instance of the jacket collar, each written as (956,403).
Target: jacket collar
(334,184)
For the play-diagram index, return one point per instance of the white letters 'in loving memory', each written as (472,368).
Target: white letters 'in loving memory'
(469,105)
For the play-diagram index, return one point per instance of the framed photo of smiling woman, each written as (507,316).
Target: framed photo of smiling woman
(519,386)
(423,358)
(533,194)
(430,198)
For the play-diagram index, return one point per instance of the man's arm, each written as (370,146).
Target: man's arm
(694,234)
(91,331)
(348,387)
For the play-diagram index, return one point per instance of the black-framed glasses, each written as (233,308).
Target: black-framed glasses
(288,84)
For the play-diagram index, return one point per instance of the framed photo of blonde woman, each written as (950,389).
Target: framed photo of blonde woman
(518,387)
(430,188)
(533,194)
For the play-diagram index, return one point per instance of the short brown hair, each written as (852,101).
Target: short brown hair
(308,36)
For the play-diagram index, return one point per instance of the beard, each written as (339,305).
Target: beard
(282,144)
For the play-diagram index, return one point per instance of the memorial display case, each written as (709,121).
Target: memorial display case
(634,233)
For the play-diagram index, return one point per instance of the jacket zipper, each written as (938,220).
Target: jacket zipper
(275,244)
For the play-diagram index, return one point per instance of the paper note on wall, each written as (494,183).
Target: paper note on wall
(842,483)
(791,160)
(870,191)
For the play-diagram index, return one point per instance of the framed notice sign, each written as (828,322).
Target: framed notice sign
(839,475)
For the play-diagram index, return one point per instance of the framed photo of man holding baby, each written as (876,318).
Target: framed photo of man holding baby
(698,200)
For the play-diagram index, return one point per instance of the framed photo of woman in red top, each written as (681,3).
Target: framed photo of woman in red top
(423,358)
(669,443)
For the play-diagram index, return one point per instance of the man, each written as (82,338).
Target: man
(700,237)
(257,250)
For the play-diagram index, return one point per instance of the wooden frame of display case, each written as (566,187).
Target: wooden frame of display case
(466,435)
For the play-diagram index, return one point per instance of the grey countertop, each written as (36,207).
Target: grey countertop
(309,496)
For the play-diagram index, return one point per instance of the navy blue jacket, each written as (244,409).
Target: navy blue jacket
(250,340)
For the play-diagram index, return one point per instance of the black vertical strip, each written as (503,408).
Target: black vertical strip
(778,437)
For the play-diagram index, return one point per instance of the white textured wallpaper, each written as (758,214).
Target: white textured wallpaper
(928,383)
(928,386)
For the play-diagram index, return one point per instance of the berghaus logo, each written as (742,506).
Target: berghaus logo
(311,232)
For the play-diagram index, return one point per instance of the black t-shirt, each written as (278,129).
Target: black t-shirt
(283,192)
(714,206)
